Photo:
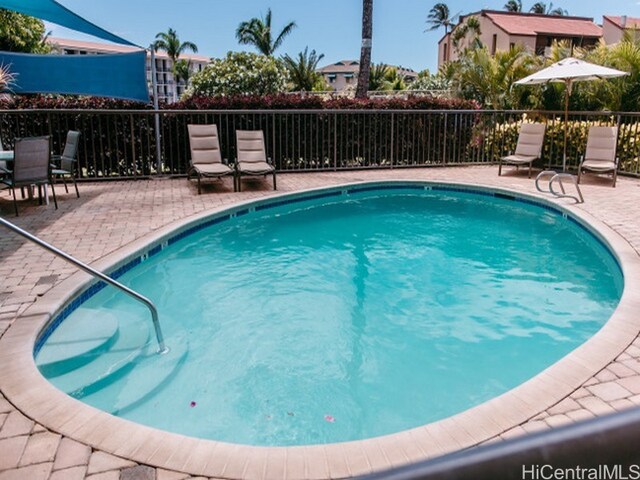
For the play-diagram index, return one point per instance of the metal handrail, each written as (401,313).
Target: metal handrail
(162,348)
(558,177)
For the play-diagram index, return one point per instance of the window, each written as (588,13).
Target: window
(444,53)
(511,45)
(494,44)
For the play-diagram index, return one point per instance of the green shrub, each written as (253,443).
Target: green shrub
(240,73)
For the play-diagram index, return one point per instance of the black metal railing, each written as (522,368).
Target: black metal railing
(604,447)
(121,143)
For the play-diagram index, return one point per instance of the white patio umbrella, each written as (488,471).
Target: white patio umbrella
(568,71)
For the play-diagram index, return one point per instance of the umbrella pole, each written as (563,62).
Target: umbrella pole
(567,93)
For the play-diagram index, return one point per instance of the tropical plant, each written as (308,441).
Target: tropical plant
(182,70)
(428,81)
(379,78)
(6,79)
(513,6)
(488,79)
(258,32)
(467,35)
(303,73)
(240,73)
(439,16)
(617,94)
(170,43)
(544,9)
(365,51)
(22,33)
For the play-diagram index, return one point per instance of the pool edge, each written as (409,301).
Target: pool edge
(37,398)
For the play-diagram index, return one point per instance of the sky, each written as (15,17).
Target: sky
(331,27)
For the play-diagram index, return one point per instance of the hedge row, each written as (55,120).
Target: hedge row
(269,102)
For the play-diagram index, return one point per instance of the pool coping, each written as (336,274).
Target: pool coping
(31,393)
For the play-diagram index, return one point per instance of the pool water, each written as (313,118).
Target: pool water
(351,317)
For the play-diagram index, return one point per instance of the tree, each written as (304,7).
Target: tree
(488,79)
(303,73)
(257,32)
(182,71)
(170,43)
(365,51)
(513,6)
(439,16)
(21,33)
(240,73)
(544,9)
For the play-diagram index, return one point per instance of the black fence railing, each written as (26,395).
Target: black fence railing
(122,143)
(600,448)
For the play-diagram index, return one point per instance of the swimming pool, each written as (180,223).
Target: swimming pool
(353,314)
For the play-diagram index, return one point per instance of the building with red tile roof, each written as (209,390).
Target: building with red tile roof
(614,27)
(499,30)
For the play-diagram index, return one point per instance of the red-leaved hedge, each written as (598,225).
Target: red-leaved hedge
(270,102)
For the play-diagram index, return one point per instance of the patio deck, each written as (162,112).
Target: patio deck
(109,216)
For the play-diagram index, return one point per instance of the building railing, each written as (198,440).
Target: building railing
(121,143)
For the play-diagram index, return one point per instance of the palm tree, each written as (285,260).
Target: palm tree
(513,6)
(182,71)
(302,70)
(365,51)
(439,16)
(488,78)
(379,78)
(542,9)
(170,43)
(257,32)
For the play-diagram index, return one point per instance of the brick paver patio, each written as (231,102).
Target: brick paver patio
(111,215)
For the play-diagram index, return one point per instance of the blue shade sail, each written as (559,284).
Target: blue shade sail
(117,76)
(54,12)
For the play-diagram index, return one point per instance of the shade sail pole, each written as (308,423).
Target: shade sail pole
(156,108)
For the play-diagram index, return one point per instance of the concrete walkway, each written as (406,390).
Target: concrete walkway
(110,215)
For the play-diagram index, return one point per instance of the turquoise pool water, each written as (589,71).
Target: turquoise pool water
(341,318)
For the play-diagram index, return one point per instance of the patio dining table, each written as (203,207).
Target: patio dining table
(6,159)
(6,162)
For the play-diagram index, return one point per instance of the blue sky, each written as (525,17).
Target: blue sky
(331,27)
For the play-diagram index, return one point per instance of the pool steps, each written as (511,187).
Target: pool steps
(91,368)
(77,342)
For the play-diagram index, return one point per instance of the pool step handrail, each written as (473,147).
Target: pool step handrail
(162,348)
(559,177)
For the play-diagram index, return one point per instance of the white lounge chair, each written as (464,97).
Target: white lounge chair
(529,147)
(600,156)
(252,156)
(206,159)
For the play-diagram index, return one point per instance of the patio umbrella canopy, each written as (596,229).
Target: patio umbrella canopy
(568,71)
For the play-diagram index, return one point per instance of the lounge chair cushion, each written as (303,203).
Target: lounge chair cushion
(213,168)
(599,165)
(517,159)
(255,168)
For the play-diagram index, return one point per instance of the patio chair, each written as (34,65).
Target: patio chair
(252,156)
(206,159)
(65,165)
(30,167)
(600,155)
(528,149)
